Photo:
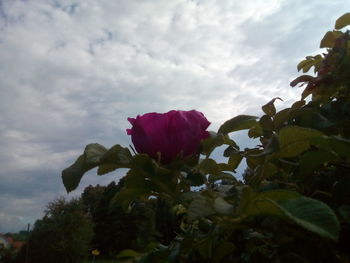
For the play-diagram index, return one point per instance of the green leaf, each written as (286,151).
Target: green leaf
(308,213)
(222,176)
(240,122)
(247,197)
(256,155)
(221,206)
(229,141)
(234,161)
(188,196)
(310,117)
(298,104)
(117,154)
(301,79)
(307,91)
(340,191)
(200,207)
(268,170)
(148,177)
(260,203)
(311,160)
(255,131)
(95,155)
(294,149)
(145,163)
(116,157)
(225,189)
(329,39)
(205,248)
(196,179)
(90,159)
(129,194)
(107,168)
(205,206)
(342,21)
(266,123)
(215,140)
(306,64)
(209,166)
(295,140)
(279,195)
(128,253)
(337,145)
(281,118)
(312,215)
(269,108)
(209,144)
(222,250)
(254,203)
(94,152)
(272,146)
(344,211)
(230,150)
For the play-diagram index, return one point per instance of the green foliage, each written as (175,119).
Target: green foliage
(237,123)
(95,155)
(7,255)
(62,235)
(22,235)
(294,198)
(115,229)
(342,21)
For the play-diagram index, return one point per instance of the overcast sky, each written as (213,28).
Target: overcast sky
(72,72)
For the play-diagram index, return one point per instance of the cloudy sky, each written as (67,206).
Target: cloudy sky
(72,72)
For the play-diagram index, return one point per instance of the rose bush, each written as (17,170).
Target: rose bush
(165,136)
(292,200)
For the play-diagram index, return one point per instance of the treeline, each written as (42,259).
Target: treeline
(19,236)
(71,229)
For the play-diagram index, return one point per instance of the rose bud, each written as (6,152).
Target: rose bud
(166,136)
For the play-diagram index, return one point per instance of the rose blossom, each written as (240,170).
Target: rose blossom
(165,136)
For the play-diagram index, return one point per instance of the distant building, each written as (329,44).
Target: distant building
(9,242)
(17,245)
(4,243)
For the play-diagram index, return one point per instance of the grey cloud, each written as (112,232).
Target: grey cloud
(10,223)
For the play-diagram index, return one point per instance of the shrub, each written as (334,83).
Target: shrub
(293,204)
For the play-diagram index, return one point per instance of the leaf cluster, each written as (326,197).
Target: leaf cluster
(62,235)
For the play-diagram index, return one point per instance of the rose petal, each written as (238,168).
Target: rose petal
(169,134)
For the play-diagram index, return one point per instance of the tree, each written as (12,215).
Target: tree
(63,235)
(114,228)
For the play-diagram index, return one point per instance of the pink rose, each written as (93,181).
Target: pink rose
(171,134)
